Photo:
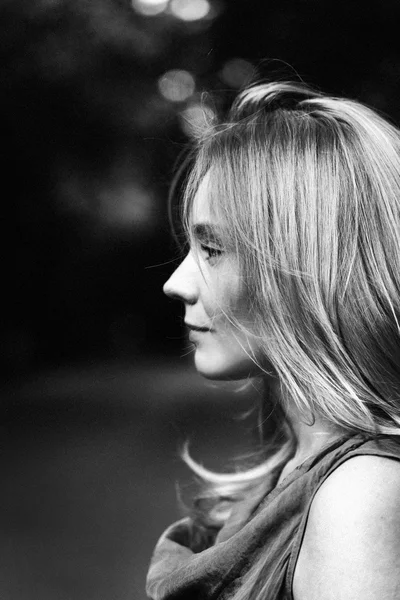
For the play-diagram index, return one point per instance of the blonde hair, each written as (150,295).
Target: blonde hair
(309,188)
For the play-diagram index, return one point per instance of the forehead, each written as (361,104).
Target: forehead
(201,212)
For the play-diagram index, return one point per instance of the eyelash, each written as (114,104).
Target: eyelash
(211,251)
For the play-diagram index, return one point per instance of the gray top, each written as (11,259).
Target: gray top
(269,524)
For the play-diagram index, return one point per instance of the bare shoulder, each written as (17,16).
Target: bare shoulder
(351,546)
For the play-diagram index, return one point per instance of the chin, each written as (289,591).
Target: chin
(224,370)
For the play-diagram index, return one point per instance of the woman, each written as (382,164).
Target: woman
(292,213)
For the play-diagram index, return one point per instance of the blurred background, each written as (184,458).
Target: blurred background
(99,98)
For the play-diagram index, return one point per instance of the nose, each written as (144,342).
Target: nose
(182,285)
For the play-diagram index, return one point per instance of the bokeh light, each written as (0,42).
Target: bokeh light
(177,85)
(196,119)
(150,7)
(190,10)
(237,72)
(127,206)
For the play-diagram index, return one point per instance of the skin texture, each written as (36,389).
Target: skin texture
(351,547)
(208,283)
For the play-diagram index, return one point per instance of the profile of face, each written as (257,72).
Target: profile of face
(209,284)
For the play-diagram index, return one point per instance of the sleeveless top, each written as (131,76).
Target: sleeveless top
(271,522)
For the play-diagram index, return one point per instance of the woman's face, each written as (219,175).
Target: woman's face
(209,284)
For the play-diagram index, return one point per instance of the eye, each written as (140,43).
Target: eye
(211,252)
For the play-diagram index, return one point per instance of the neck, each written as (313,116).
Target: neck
(311,434)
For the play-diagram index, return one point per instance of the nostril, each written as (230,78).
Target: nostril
(173,295)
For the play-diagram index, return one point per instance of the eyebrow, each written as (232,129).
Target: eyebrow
(207,231)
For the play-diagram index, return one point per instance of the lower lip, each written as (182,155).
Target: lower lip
(194,333)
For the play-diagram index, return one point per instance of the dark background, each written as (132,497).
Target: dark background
(98,389)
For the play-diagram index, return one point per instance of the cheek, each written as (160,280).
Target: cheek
(238,304)
(224,293)
(229,293)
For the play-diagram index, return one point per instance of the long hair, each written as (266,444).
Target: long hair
(309,189)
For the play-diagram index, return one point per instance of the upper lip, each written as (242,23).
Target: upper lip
(196,327)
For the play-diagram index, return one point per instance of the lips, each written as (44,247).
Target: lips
(196,327)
